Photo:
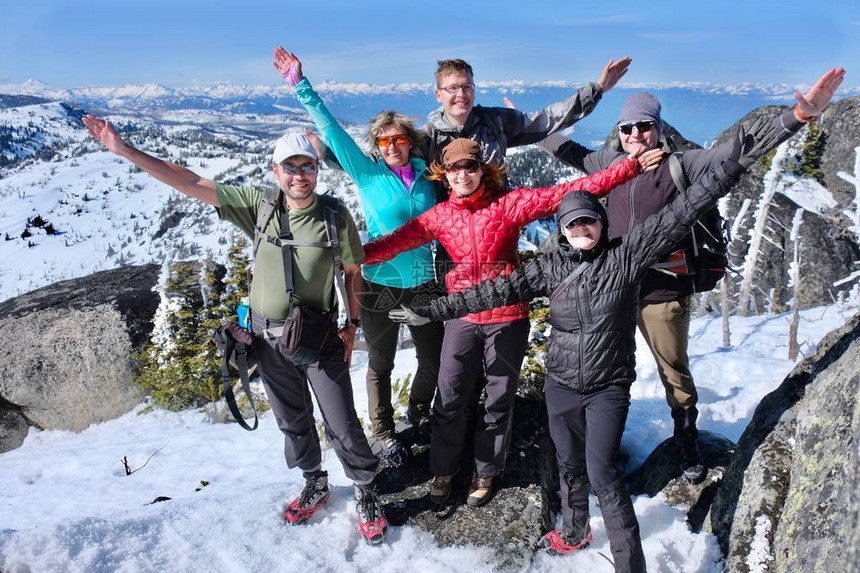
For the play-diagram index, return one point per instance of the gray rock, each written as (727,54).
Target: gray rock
(67,358)
(789,496)
(662,473)
(13,428)
(522,510)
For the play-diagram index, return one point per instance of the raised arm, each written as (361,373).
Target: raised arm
(661,232)
(525,283)
(809,106)
(349,155)
(570,152)
(526,205)
(408,236)
(180,178)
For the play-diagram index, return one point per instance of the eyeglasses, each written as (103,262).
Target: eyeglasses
(386,140)
(305,169)
(467,88)
(641,127)
(580,221)
(471,167)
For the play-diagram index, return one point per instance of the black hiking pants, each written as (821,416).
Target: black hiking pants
(470,351)
(381,335)
(586,430)
(289,390)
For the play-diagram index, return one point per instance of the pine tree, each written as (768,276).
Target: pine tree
(236,281)
(812,150)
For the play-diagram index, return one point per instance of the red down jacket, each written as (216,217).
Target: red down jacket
(481,232)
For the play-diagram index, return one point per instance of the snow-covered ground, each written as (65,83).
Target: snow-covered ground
(67,504)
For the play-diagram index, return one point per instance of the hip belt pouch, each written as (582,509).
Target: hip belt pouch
(306,332)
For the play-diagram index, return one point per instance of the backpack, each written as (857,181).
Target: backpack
(709,237)
(266,210)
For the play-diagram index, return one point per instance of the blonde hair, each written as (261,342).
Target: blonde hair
(387,117)
(493,176)
(448,67)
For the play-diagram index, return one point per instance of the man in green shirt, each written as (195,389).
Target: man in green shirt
(295,166)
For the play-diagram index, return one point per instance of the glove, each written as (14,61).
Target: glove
(755,141)
(407,316)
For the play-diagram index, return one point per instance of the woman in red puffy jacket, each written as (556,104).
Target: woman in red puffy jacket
(480,226)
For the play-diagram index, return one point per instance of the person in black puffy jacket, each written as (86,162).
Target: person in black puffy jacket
(593,286)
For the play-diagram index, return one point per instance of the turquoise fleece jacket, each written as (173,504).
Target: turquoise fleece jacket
(386,201)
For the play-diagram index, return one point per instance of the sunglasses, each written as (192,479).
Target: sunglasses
(580,221)
(305,169)
(467,88)
(471,167)
(386,140)
(641,127)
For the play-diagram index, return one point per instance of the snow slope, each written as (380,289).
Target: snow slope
(67,504)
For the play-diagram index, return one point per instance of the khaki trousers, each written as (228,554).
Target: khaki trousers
(666,329)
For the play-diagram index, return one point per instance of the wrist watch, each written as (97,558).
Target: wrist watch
(355,322)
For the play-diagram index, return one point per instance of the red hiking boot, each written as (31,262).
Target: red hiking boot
(371,519)
(556,544)
(314,496)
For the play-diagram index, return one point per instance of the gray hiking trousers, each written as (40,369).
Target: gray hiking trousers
(470,352)
(289,390)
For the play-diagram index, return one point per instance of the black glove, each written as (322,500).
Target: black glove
(407,316)
(754,141)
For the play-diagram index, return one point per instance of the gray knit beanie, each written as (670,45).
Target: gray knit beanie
(641,106)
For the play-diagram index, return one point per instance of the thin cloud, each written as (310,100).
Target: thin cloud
(600,20)
(679,37)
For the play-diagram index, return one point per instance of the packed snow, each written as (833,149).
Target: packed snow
(68,504)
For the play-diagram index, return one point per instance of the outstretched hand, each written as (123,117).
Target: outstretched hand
(753,142)
(407,316)
(650,160)
(817,98)
(104,132)
(288,65)
(612,72)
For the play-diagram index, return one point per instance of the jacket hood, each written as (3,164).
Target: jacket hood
(585,201)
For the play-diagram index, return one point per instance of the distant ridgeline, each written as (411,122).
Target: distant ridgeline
(106,213)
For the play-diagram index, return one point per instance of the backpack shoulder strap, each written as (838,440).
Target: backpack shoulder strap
(677,171)
(265,211)
(331,208)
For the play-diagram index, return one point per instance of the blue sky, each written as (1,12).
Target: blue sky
(178,43)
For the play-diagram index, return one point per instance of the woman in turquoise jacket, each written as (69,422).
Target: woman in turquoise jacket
(393,189)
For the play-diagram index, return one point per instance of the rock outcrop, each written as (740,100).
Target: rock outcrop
(67,353)
(789,499)
(522,510)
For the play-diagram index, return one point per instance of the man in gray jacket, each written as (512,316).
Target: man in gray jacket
(664,311)
(497,128)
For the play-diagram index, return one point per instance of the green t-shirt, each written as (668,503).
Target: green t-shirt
(313,267)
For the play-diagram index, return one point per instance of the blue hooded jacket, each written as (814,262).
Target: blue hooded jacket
(386,201)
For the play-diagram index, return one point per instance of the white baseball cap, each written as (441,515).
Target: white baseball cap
(293,144)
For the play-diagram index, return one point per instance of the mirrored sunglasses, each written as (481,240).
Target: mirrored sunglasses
(305,169)
(641,127)
(386,140)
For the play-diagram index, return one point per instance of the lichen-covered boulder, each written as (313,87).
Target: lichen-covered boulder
(789,497)
(67,357)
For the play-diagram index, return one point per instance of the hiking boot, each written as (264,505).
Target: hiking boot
(480,490)
(314,496)
(557,544)
(393,452)
(371,519)
(440,489)
(694,464)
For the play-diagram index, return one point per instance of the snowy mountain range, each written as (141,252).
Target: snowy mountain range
(69,208)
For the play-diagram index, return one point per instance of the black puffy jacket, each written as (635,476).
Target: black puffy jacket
(592,343)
